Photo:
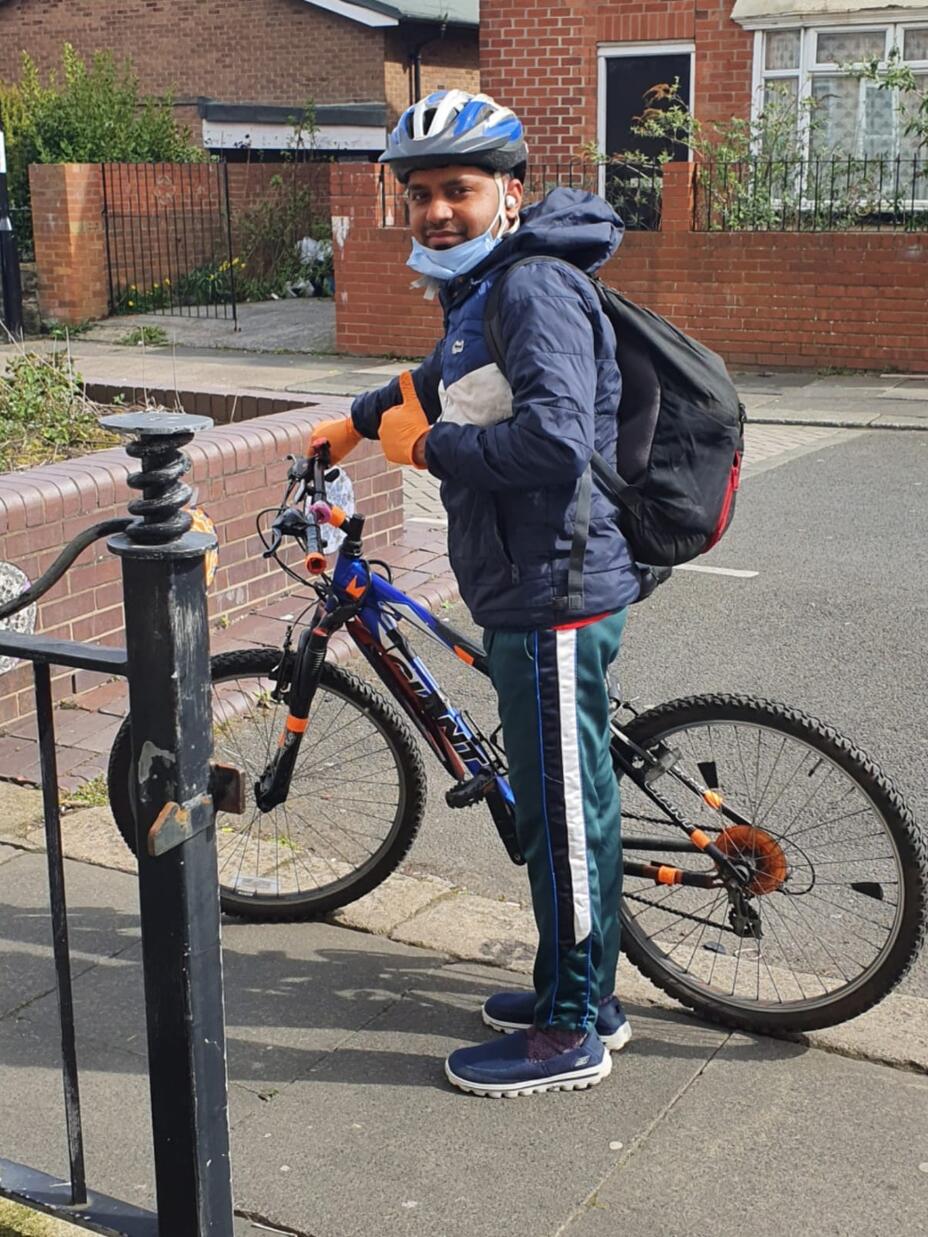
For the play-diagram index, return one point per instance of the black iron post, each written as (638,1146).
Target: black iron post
(170,700)
(9,258)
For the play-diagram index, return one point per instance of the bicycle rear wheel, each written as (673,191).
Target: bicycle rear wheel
(355,802)
(837,907)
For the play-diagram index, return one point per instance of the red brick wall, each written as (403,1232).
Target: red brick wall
(540,58)
(784,299)
(70,244)
(236,471)
(376,311)
(451,63)
(249,51)
(164,219)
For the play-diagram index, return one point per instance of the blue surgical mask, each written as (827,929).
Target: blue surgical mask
(445,264)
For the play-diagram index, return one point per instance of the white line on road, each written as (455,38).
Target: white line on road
(718,571)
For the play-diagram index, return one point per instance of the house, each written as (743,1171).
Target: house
(577,71)
(240,70)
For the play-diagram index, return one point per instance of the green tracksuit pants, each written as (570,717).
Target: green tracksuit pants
(554,707)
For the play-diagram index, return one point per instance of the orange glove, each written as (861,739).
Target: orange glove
(341,435)
(402,426)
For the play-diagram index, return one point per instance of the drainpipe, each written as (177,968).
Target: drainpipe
(415,63)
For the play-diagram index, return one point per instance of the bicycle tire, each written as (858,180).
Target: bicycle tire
(911,915)
(259,664)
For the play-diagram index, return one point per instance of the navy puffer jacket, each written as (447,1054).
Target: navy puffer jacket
(510,453)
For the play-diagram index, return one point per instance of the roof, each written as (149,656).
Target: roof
(380,13)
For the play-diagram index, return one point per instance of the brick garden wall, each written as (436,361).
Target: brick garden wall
(783,299)
(236,472)
(165,220)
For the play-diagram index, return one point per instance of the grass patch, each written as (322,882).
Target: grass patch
(147,336)
(45,414)
(64,331)
(22,1222)
(91,794)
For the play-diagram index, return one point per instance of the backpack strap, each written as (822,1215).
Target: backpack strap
(608,480)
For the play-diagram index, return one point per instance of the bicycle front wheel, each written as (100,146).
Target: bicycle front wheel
(355,803)
(835,912)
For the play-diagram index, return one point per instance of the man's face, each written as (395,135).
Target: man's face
(455,204)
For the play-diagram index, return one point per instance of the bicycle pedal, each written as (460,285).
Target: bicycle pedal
(465,794)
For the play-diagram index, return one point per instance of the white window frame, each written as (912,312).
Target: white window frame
(808,68)
(609,51)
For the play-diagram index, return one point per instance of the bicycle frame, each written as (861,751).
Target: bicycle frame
(370,607)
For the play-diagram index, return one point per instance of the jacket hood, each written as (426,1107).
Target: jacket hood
(569,223)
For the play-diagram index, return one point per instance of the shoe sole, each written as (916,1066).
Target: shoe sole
(560,1082)
(614,1042)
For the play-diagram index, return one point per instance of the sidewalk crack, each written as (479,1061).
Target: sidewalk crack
(639,1140)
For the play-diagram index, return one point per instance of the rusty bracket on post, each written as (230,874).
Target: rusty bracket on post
(178,823)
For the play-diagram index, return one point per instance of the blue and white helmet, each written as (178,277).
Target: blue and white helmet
(454,126)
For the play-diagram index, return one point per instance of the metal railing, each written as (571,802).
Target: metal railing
(169,239)
(835,194)
(633,190)
(164,594)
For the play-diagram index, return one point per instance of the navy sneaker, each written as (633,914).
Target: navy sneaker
(503,1067)
(515,1011)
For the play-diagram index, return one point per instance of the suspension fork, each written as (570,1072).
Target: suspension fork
(273,786)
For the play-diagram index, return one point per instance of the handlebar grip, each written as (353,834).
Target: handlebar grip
(316,563)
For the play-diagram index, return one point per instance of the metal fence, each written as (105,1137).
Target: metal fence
(633,190)
(169,239)
(165,607)
(812,195)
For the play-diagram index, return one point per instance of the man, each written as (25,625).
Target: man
(513,456)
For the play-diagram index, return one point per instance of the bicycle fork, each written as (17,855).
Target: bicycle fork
(273,787)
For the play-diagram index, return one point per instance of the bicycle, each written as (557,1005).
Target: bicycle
(774,878)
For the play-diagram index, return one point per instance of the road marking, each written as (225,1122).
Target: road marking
(718,571)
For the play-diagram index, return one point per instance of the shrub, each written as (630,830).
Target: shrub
(89,113)
(44,414)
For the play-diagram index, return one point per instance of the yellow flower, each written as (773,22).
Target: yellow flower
(131,304)
(167,283)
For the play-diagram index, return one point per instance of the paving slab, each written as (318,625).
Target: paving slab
(102,922)
(466,926)
(20,810)
(7,853)
(773,1140)
(115,1109)
(386,1145)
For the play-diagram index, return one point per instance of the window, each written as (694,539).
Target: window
(850,116)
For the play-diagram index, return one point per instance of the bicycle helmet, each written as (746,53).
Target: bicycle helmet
(454,126)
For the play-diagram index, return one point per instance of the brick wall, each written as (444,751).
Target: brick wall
(784,299)
(236,471)
(70,243)
(376,311)
(541,59)
(249,51)
(165,220)
(450,62)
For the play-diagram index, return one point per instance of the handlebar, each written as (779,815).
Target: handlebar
(306,479)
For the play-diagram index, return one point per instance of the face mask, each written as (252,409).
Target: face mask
(445,264)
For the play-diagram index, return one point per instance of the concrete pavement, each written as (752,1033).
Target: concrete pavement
(200,358)
(342,1121)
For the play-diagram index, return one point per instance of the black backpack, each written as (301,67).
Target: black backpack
(681,432)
